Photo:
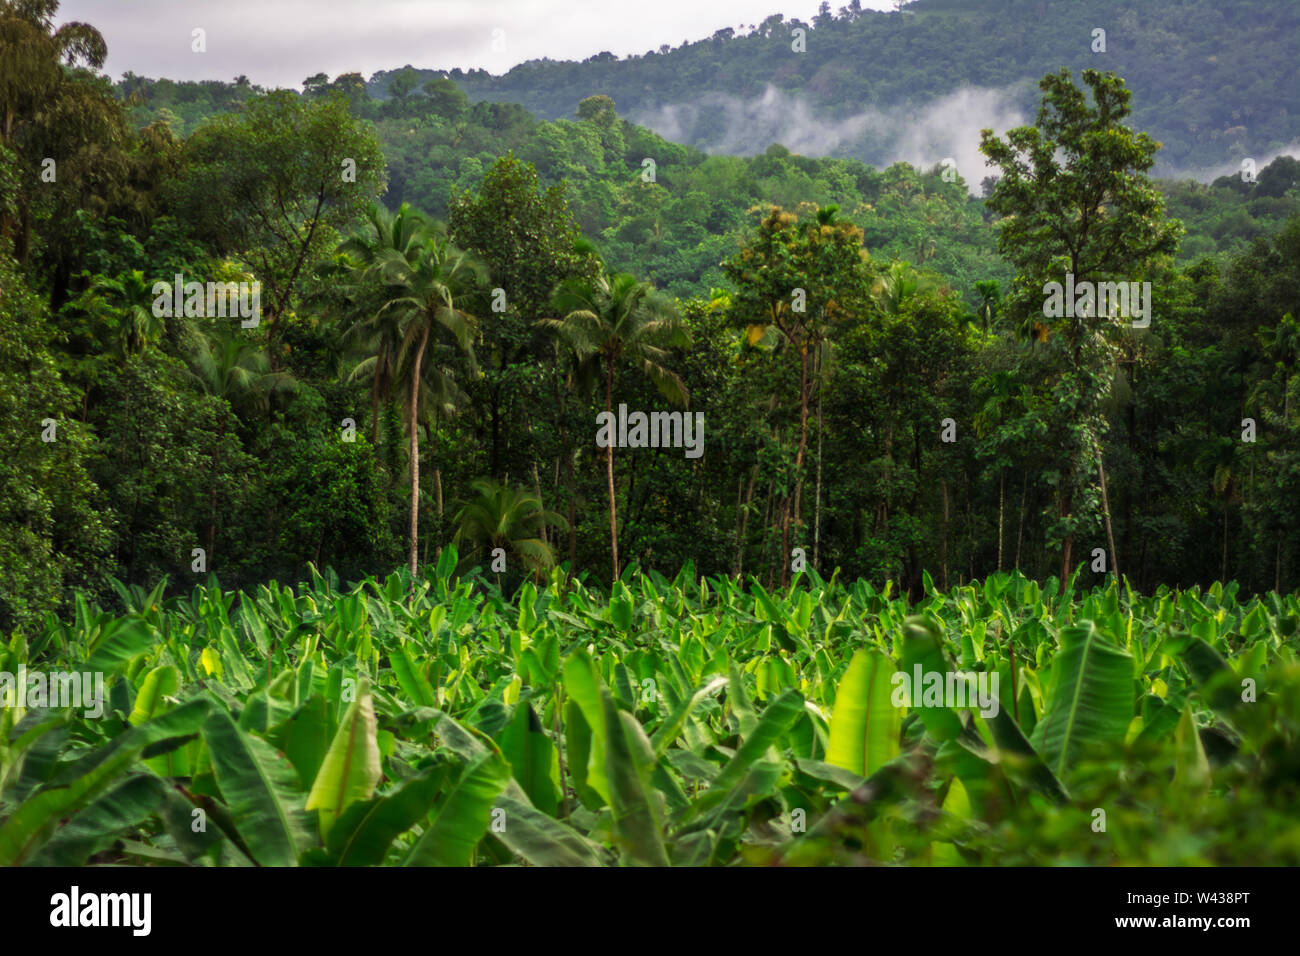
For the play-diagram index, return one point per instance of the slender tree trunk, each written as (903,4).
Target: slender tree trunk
(943,488)
(1002,499)
(788,508)
(767,531)
(1020,530)
(744,522)
(1065,508)
(1105,509)
(573,513)
(817,498)
(212,498)
(437,490)
(609,470)
(1277,566)
(537,489)
(1223,564)
(412,418)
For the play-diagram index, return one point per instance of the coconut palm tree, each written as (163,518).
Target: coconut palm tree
(374,331)
(425,286)
(612,319)
(509,518)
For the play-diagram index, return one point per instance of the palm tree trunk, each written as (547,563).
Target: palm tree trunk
(1002,498)
(609,470)
(1105,507)
(1020,529)
(415,451)
(437,489)
(573,513)
(817,497)
(943,487)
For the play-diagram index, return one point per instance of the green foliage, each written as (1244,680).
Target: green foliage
(51,528)
(687,722)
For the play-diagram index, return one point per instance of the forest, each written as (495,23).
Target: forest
(404,442)
(177,433)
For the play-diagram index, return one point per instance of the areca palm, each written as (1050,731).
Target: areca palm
(509,518)
(611,319)
(425,282)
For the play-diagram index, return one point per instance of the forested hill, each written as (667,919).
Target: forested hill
(676,226)
(1213,81)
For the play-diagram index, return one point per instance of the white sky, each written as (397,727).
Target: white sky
(280,42)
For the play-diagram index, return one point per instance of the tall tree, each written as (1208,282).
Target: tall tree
(528,239)
(1075,199)
(615,319)
(799,279)
(275,182)
(373,331)
(426,288)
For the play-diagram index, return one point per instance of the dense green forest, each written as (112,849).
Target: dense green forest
(450,293)
(1213,82)
(396,476)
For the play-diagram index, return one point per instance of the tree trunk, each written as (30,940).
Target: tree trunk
(744,523)
(1002,499)
(1277,566)
(1020,531)
(609,470)
(437,490)
(412,417)
(1064,509)
(804,401)
(573,513)
(1223,564)
(943,488)
(788,510)
(1105,509)
(537,489)
(767,531)
(817,498)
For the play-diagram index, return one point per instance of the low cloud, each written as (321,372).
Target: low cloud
(1207,174)
(946,127)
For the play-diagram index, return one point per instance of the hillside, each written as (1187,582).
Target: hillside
(1213,82)
(676,229)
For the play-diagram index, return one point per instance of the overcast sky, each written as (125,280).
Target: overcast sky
(280,42)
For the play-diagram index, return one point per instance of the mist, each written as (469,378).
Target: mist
(945,128)
(1207,174)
